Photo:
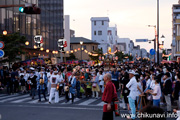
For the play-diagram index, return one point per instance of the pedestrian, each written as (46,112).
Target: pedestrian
(33,83)
(49,84)
(167,90)
(156,93)
(72,85)
(108,97)
(132,86)
(23,84)
(95,86)
(54,81)
(41,86)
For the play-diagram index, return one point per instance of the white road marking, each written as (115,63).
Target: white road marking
(18,97)
(87,102)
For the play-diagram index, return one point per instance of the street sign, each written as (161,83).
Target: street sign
(152,52)
(1,44)
(141,40)
(1,53)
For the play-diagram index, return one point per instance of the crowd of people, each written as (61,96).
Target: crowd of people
(158,84)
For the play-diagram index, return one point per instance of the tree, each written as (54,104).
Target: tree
(120,55)
(71,57)
(14,45)
(99,52)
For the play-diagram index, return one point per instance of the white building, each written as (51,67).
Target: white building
(112,37)
(99,26)
(125,44)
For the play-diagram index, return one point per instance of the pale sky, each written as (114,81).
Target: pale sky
(132,18)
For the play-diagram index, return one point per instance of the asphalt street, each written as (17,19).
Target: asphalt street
(10,111)
(48,112)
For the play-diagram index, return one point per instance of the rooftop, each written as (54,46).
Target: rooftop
(76,40)
(100,18)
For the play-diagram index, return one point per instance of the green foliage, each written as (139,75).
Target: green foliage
(122,56)
(99,52)
(71,57)
(14,44)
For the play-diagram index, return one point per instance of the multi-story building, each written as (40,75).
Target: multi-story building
(49,23)
(176,30)
(99,26)
(125,44)
(112,37)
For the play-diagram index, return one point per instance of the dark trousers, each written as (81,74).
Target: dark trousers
(43,92)
(60,90)
(107,116)
(116,83)
(16,86)
(9,87)
(78,93)
(67,96)
(72,98)
(33,90)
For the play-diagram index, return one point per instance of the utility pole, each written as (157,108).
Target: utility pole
(157,31)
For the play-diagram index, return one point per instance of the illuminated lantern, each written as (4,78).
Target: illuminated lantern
(109,49)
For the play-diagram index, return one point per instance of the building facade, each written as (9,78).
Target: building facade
(99,26)
(88,45)
(112,37)
(49,23)
(176,30)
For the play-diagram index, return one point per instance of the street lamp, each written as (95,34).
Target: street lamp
(41,48)
(81,43)
(47,51)
(163,39)
(27,43)
(4,32)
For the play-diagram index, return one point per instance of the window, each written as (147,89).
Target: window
(84,46)
(94,32)
(93,48)
(102,22)
(94,22)
(99,32)
(71,47)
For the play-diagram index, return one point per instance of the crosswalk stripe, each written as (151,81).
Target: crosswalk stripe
(21,100)
(3,95)
(8,96)
(18,97)
(36,101)
(87,102)
(100,104)
(75,100)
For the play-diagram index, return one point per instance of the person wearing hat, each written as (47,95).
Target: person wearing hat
(132,86)
(167,90)
(54,80)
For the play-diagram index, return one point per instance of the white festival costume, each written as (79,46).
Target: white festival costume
(54,79)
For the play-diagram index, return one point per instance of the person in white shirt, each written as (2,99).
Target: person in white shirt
(101,82)
(139,89)
(132,86)
(49,84)
(156,93)
(54,80)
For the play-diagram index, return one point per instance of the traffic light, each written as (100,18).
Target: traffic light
(30,10)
